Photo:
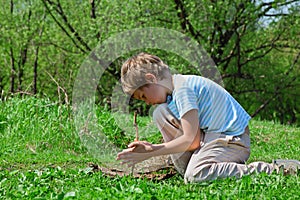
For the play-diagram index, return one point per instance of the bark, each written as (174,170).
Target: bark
(35,71)
(59,10)
(12,58)
(93,9)
(184,21)
(22,61)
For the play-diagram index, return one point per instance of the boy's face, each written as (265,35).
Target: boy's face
(151,93)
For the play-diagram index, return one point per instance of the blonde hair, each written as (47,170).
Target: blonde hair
(134,69)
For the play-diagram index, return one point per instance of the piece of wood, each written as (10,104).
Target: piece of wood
(136,134)
(156,174)
(136,127)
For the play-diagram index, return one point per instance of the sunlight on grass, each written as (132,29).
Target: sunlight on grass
(43,157)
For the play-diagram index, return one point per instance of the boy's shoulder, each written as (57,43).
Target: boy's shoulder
(180,80)
(184,85)
(187,77)
(194,84)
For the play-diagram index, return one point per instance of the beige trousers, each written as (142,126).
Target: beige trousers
(219,156)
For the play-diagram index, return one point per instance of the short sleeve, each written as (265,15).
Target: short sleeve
(186,100)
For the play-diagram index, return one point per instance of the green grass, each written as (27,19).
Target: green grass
(42,157)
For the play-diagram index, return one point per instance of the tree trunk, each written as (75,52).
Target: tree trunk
(12,59)
(12,71)
(93,9)
(35,74)
(23,59)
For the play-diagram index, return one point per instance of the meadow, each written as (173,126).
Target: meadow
(42,157)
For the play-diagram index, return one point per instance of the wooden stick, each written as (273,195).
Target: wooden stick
(136,134)
(136,127)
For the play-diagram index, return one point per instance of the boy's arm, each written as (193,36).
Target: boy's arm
(190,140)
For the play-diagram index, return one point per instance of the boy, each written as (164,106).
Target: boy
(204,128)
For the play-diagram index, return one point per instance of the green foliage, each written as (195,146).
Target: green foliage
(245,39)
(58,183)
(32,126)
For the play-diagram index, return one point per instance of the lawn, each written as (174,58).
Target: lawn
(42,157)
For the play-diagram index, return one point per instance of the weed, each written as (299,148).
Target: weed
(42,157)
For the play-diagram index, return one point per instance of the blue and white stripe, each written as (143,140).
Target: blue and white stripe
(218,111)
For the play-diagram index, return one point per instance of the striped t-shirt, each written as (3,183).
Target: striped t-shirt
(218,111)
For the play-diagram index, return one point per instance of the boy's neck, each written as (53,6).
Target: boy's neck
(168,84)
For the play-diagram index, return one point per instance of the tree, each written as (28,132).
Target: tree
(44,43)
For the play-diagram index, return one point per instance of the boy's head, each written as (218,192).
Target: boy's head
(136,70)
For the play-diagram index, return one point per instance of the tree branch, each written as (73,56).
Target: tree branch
(271,45)
(185,23)
(225,37)
(60,25)
(12,58)
(93,9)
(56,45)
(256,57)
(269,6)
(71,28)
(276,15)
(276,93)
(35,64)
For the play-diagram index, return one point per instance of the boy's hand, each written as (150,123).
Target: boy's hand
(141,146)
(136,152)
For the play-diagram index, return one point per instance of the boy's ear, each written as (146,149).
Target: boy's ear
(150,78)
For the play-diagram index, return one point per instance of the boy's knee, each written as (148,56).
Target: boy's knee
(198,174)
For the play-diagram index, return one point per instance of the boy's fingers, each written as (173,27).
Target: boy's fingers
(134,144)
(124,152)
(130,149)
